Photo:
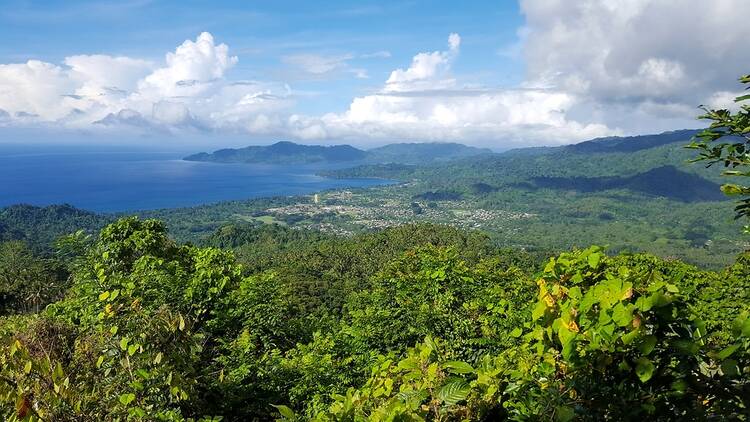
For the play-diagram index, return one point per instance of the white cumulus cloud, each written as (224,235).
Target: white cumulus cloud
(36,88)
(425,102)
(188,91)
(191,70)
(663,56)
(426,70)
(592,68)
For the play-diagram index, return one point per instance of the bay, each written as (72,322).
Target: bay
(106,180)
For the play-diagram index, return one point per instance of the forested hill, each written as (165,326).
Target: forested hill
(283,153)
(635,158)
(41,226)
(632,143)
(417,153)
(291,153)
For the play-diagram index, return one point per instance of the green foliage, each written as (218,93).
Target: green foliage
(727,141)
(607,339)
(422,385)
(130,334)
(40,227)
(28,282)
(413,323)
(431,291)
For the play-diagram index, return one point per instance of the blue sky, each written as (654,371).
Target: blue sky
(513,74)
(262,33)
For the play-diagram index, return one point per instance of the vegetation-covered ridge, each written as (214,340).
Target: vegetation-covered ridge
(285,152)
(40,227)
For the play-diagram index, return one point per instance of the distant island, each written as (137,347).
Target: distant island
(285,152)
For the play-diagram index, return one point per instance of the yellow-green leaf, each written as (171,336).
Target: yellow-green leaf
(126,398)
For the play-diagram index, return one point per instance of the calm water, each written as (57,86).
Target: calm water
(126,181)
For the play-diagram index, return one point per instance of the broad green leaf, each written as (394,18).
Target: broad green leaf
(728,351)
(647,345)
(58,372)
(458,367)
(622,315)
(644,368)
(453,392)
(430,343)
(741,325)
(538,311)
(593,259)
(408,363)
(285,411)
(126,398)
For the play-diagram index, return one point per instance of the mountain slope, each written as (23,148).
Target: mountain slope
(620,157)
(665,181)
(417,153)
(41,226)
(291,153)
(283,153)
(631,143)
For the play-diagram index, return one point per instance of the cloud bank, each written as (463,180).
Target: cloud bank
(189,91)
(640,65)
(593,68)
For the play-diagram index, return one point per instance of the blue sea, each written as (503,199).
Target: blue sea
(112,180)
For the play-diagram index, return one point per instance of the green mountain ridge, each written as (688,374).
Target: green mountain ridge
(602,157)
(285,152)
(41,226)
(282,153)
(418,153)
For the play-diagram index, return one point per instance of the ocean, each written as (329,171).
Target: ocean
(110,180)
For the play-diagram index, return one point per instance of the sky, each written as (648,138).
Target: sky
(499,74)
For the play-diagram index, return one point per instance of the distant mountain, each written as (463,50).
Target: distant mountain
(655,165)
(291,153)
(283,153)
(418,153)
(632,143)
